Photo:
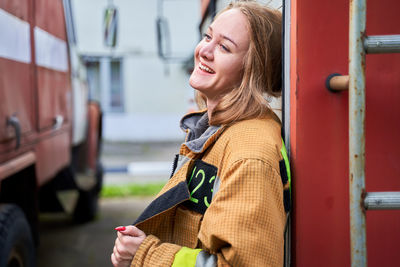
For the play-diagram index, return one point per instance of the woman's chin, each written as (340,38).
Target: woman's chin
(195,84)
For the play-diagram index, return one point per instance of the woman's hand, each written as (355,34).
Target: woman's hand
(127,243)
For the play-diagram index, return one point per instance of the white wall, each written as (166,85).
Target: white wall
(156,94)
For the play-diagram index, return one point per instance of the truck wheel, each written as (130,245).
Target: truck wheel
(87,206)
(16,243)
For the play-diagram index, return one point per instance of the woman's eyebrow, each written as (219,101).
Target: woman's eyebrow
(229,39)
(224,37)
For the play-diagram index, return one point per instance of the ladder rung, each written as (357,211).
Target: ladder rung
(382,200)
(375,44)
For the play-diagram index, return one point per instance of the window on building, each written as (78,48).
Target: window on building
(105,82)
(116,96)
(93,76)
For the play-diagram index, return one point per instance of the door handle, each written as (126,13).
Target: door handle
(13,121)
(58,121)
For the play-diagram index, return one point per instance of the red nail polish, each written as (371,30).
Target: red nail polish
(120,228)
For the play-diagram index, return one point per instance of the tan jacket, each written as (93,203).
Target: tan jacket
(237,172)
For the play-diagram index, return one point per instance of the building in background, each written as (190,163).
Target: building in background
(143,96)
(143,82)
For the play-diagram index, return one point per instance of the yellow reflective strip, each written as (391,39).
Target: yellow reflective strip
(186,257)
(285,157)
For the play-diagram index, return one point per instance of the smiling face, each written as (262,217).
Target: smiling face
(219,57)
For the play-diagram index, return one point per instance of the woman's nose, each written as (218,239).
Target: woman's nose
(207,51)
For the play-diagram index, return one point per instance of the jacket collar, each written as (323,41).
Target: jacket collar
(200,135)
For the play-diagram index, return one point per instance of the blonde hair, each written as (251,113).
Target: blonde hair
(261,67)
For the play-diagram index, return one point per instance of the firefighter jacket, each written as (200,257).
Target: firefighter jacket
(224,204)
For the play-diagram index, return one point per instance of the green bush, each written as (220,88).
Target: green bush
(127,190)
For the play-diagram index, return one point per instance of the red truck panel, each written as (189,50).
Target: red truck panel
(36,88)
(319,134)
(54,93)
(54,89)
(47,22)
(16,83)
(18,8)
(16,94)
(50,158)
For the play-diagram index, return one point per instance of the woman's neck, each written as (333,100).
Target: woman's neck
(211,104)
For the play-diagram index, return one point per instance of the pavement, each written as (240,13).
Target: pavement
(66,244)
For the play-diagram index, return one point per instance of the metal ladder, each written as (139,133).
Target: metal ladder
(359,46)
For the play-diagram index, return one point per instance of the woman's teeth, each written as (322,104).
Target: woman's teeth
(207,69)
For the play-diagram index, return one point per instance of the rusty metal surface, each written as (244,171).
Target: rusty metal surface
(319,135)
(357,132)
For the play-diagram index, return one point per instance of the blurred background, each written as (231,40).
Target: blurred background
(92,93)
(142,94)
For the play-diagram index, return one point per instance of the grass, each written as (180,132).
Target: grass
(128,190)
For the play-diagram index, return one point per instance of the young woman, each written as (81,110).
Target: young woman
(224,204)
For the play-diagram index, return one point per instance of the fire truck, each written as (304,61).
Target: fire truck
(340,115)
(50,132)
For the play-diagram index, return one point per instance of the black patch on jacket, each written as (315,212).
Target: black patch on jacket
(286,200)
(200,181)
(174,165)
(285,179)
(172,197)
(282,168)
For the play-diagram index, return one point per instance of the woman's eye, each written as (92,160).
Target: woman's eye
(207,37)
(225,48)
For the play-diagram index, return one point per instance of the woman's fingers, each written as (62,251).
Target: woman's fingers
(123,250)
(126,244)
(130,230)
(136,231)
(129,238)
(117,263)
(114,260)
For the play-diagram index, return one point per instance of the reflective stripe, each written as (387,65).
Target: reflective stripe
(51,52)
(186,257)
(205,259)
(285,157)
(15,38)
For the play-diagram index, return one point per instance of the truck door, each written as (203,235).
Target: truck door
(51,56)
(16,79)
